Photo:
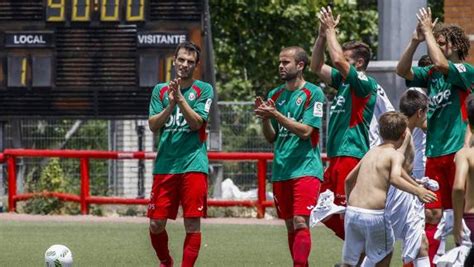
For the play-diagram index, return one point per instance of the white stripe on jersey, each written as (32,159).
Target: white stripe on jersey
(382,105)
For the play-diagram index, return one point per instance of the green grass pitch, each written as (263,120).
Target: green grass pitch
(127,244)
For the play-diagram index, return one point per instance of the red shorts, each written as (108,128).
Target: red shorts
(296,197)
(170,189)
(335,177)
(442,169)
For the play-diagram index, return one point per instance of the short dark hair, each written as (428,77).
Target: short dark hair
(392,125)
(360,49)
(424,61)
(300,55)
(470,111)
(456,35)
(188,46)
(412,101)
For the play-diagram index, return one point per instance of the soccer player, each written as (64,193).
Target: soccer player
(367,225)
(463,189)
(448,80)
(179,113)
(291,121)
(351,111)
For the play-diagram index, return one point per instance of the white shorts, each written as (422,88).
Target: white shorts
(366,231)
(407,215)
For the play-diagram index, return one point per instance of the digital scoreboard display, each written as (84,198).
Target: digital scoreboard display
(89,58)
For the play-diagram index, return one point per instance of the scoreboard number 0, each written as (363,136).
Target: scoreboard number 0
(109,10)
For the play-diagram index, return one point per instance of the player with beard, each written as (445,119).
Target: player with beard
(351,111)
(179,112)
(291,121)
(449,81)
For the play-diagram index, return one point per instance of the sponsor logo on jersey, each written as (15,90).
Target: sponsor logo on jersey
(318,109)
(460,67)
(207,107)
(299,100)
(362,76)
(438,99)
(191,96)
(339,101)
(281,103)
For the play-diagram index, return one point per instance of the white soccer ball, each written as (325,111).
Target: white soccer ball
(58,256)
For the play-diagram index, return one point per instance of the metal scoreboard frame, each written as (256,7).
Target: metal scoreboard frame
(92,58)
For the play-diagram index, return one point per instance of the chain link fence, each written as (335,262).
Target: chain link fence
(240,131)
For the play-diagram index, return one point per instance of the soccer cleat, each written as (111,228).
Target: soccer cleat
(168,263)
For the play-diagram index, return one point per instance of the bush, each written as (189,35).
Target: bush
(52,179)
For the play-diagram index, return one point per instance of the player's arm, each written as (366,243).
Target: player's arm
(459,190)
(351,179)
(467,137)
(157,121)
(435,53)
(404,64)
(317,56)
(334,48)
(399,182)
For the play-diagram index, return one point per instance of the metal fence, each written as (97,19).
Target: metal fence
(240,131)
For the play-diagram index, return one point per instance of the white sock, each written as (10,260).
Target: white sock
(422,262)
(367,263)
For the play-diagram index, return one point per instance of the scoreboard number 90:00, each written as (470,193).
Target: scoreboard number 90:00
(81,10)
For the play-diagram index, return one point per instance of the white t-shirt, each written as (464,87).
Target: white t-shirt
(382,105)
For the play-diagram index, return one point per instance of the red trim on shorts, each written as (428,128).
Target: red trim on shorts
(358,106)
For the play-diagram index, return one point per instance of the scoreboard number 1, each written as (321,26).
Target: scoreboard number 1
(109,10)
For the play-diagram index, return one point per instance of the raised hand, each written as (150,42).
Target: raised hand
(425,22)
(327,19)
(266,109)
(175,90)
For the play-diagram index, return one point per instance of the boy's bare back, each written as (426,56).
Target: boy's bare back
(465,164)
(373,177)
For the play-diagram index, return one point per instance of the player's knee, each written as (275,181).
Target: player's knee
(300,222)
(433,216)
(157,226)
(192,225)
(423,248)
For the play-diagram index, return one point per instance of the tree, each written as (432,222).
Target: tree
(249,34)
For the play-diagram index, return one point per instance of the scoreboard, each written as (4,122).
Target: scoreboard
(90,58)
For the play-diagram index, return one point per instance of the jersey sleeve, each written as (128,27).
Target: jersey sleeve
(313,113)
(336,78)
(156,104)
(461,75)
(203,104)
(359,82)
(420,77)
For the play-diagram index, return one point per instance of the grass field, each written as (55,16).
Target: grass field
(127,244)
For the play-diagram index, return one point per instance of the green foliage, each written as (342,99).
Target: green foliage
(52,179)
(437,8)
(248,36)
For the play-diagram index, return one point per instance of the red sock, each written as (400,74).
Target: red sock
(191,247)
(430,230)
(301,247)
(336,224)
(160,244)
(291,240)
